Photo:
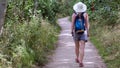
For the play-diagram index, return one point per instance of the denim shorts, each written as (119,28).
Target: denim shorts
(79,37)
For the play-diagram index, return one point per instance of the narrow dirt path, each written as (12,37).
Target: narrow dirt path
(64,56)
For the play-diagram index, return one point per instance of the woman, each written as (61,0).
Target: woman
(80,39)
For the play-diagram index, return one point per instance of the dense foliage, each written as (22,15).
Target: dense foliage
(105,30)
(21,10)
(23,44)
(30,30)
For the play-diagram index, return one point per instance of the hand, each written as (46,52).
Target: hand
(72,33)
(88,33)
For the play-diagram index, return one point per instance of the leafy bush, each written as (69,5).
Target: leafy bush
(106,13)
(49,8)
(21,10)
(105,31)
(28,43)
(27,38)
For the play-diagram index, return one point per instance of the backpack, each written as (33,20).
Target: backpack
(79,24)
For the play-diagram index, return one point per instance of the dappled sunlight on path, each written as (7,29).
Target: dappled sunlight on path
(64,56)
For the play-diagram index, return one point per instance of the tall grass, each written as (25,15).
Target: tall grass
(107,41)
(105,33)
(22,45)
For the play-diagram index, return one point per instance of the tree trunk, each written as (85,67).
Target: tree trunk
(3,7)
(35,6)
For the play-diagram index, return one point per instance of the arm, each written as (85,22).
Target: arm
(73,20)
(87,25)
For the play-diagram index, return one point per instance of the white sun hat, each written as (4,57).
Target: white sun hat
(80,7)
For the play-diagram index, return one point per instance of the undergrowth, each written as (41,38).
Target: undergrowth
(24,44)
(107,41)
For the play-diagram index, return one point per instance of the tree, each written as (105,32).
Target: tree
(35,6)
(3,7)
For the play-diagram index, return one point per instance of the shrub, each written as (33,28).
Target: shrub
(26,43)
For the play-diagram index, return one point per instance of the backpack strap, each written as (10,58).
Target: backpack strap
(82,16)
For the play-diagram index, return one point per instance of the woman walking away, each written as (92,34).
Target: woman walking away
(80,30)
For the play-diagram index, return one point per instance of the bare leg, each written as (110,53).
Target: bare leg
(82,47)
(77,49)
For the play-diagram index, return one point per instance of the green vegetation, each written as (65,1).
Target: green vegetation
(24,44)
(30,30)
(105,31)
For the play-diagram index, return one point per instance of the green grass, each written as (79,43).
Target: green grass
(107,42)
(98,45)
(23,44)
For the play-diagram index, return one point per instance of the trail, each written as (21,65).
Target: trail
(64,56)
